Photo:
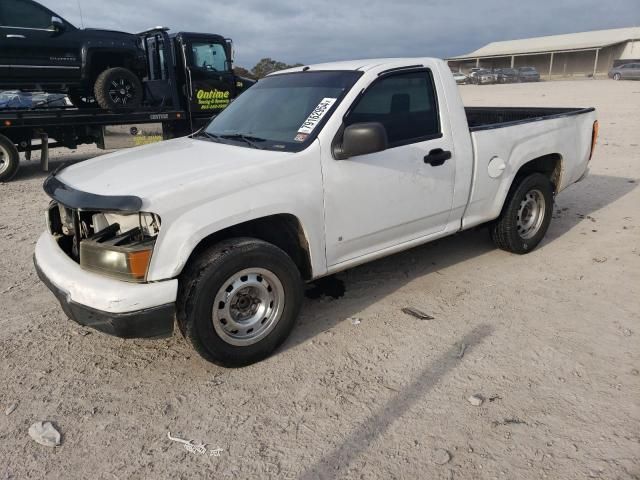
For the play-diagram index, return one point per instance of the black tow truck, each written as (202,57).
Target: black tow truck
(189,79)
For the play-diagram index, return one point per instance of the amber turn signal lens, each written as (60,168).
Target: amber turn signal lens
(138,263)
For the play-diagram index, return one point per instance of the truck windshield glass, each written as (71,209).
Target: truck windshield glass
(282,112)
(209,56)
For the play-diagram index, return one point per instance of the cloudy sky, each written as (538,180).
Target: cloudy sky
(311,32)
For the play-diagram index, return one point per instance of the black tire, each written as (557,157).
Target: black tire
(509,231)
(9,159)
(118,89)
(617,76)
(205,278)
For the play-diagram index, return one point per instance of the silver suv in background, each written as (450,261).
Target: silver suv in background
(627,71)
(484,77)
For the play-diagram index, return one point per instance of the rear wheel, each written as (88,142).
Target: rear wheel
(118,89)
(526,215)
(239,300)
(9,159)
(617,76)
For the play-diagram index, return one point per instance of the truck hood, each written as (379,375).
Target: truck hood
(157,173)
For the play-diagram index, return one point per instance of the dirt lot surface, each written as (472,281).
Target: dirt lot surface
(551,340)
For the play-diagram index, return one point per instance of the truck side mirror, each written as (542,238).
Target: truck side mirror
(57,25)
(362,139)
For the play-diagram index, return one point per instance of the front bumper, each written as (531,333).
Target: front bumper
(126,310)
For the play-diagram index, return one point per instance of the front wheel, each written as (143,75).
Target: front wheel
(526,215)
(9,159)
(617,76)
(118,89)
(238,301)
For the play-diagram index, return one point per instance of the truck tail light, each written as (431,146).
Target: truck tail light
(594,137)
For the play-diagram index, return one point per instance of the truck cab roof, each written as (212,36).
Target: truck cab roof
(188,35)
(360,65)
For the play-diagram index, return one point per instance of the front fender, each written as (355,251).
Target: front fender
(297,193)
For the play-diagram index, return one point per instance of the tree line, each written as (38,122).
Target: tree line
(263,68)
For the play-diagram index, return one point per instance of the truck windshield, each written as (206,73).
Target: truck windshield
(282,112)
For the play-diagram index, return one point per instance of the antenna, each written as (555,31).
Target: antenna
(81,18)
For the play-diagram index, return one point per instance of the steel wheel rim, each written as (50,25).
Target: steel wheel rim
(121,91)
(248,306)
(616,76)
(530,214)
(4,159)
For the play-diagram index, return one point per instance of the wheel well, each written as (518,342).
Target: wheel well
(282,230)
(549,165)
(101,61)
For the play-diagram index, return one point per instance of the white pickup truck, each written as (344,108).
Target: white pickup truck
(311,171)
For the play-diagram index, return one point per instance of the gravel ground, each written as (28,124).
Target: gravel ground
(550,340)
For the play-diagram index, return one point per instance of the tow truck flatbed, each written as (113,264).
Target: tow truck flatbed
(74,116)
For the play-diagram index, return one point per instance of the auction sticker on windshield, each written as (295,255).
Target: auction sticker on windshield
(314,118)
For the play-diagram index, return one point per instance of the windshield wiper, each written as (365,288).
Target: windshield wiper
(248,139)
(208,135)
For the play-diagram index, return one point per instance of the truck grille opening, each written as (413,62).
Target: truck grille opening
(70,227)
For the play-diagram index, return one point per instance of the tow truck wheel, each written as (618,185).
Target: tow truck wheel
(118,89)
(9,159)
(238,301)
(526,215)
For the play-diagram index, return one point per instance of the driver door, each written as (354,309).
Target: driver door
(211,82)
(381,200)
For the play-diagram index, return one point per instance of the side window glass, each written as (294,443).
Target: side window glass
(16,13)
(404,104)
(209,56)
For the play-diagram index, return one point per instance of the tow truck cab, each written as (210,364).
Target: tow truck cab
(194,71)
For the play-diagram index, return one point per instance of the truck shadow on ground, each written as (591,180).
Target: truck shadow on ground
(377,424)
(367,284)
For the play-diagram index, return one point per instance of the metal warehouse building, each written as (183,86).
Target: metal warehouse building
(586,54)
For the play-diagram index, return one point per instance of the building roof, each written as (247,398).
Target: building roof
(556,43)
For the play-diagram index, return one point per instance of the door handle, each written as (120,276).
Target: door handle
(12,35)
(437,157)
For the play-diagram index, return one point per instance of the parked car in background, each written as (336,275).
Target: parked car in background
(528,74)
(460,78)
(506,75)
(484,77)
(472,73)
(627,71)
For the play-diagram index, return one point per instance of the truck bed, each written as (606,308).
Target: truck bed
(486,118)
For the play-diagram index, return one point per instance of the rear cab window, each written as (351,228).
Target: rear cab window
(404,103)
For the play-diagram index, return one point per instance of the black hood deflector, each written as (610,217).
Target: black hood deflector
(72,198)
